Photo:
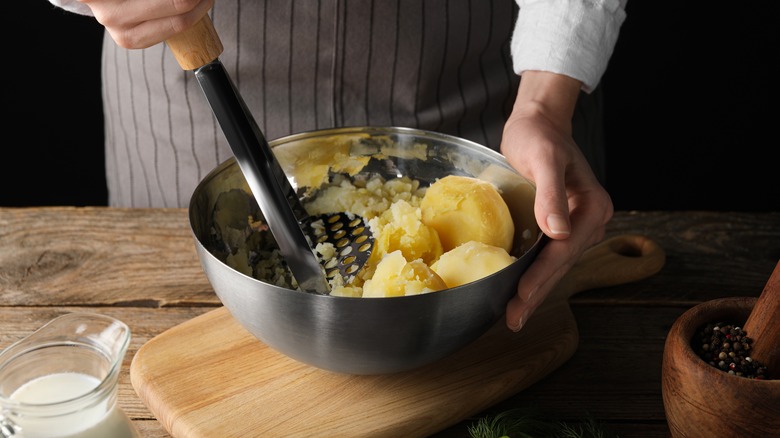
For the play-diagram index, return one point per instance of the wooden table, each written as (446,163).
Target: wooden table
(140,266)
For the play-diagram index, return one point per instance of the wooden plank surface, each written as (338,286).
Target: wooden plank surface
(146,257)
(597,380)
(62,256)
(597,342)
(209,374)
(113,267)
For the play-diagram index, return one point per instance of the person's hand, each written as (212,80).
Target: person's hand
(571,206)
(138,24)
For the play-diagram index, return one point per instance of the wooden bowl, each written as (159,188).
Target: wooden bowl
(701,400)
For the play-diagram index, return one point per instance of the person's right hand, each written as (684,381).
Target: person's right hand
(138,24)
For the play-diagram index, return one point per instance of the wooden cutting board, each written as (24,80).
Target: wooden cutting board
(209,377)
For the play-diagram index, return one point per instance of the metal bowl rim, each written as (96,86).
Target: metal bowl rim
(540,240)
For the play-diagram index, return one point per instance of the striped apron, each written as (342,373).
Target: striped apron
(441,65)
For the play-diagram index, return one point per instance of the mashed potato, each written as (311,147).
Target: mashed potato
(466,217)
(367,199)
(400,228)
(456,231)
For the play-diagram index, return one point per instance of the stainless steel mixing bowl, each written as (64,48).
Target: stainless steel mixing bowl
(370,335)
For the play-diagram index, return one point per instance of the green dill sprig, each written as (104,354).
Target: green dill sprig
(520,423)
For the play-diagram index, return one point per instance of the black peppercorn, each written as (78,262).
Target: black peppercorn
(726,346)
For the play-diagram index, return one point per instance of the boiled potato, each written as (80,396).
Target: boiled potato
(470,262)
(463,209)
(395,277)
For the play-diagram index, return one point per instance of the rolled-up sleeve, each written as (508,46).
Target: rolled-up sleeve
(74,6)
(571,37)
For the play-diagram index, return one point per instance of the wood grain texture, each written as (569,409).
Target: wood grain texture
(709,255)
(151,279)
(64,256)
(209,373)
(232,380)
(196,46)
(609,366)
(702,400)
(144,324)
(763,324)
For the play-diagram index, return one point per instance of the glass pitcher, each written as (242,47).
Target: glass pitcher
(61,381)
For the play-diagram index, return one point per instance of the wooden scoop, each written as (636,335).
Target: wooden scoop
(763,325)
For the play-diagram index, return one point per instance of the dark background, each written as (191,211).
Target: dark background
(690,104)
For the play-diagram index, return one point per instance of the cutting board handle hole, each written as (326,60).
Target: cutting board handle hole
(632,246)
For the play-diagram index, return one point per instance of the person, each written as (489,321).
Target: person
(518,76)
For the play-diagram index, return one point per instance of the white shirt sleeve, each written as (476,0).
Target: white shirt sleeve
(74,6)
(571,37)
